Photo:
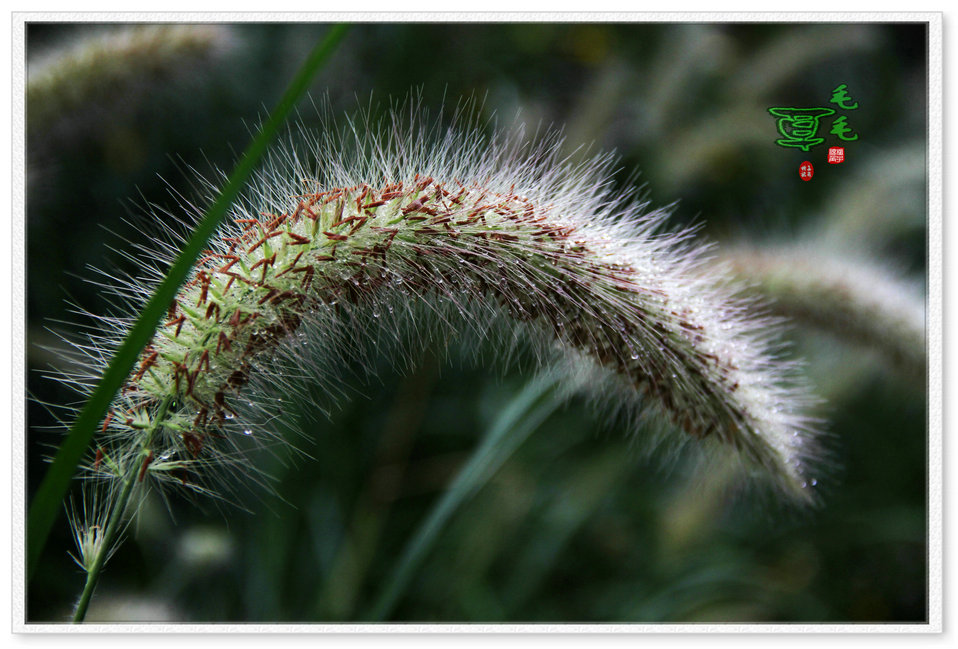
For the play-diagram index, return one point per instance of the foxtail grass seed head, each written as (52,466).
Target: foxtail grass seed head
(95,77)
(854,298)
(399,234)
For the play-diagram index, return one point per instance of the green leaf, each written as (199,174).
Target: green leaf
(47,502)
(524,414)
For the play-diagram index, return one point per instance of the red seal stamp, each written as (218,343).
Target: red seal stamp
(836,155)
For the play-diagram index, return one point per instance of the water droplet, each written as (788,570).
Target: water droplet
(230,415)
(247,432)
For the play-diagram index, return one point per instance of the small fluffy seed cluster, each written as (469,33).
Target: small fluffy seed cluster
(348,236)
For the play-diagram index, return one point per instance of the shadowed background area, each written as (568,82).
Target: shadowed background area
(577,524)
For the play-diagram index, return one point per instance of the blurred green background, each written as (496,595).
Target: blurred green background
(578,525)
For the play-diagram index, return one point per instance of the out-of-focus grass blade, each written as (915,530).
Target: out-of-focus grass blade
(524,414)
(47,501)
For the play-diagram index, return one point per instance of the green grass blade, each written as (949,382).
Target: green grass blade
(524,414)
(47,501)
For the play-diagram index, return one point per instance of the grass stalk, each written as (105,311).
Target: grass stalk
(117,515)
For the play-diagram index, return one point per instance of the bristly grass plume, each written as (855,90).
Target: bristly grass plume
(99,76)
(397,234)
(854,298)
